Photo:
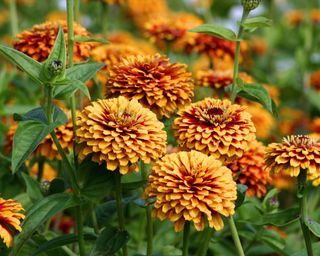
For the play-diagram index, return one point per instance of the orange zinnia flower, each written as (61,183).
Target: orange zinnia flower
(215,127)
(191,186)
(10,218)
(158,84)
(250,170)
(120,132)
(38,42)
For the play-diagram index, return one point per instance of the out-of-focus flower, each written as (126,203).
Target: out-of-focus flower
(111,55)
(120,37)
(38,42)
(143,10)
(158,84)
(120,132)
(170,28)
(56,16)
(283,181)
(63,223)
(315,80)
(9,138)
(291,120)
(205,63)
(214,78)
(49,173)
(296,17)
(295,153)
(10,218)
(262,119)
(191,186)
(215,127)
(250,170)
(258,45)
(64,133)
(4,16)
(315,125)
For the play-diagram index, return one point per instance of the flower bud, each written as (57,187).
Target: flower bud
(44,186)
(55,67)
(250,5)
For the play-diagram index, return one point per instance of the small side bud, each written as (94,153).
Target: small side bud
(250,5)
(44,186)
(55,67)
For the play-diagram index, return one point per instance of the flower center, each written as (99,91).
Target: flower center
(213,115)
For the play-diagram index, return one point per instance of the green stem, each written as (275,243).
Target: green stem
(235,237)
(70,20)
(205,242)
(13,18)
(76,10)
(49,91)
(79,217)
(94,220)
(144,176)
(104,18)
(40,168)
(186,234)
(303,210)
(118,193)
(245,14)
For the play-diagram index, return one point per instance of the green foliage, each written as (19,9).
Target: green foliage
(33,188)
(216,30)
(252,24)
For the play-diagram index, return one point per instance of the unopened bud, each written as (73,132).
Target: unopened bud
(44,186)
(250,5)
(55,67)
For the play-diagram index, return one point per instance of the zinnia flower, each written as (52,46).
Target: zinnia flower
(315,80)
(10,218)
(9,138)
(215,127)
(120,132)
(158,84)
(38,42)
(250,170)
(214,78)
(191,186)
(296,152)
(171,27)
(49,173)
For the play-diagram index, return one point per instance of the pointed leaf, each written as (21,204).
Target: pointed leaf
(313,226)
(33,188)
(68,87)
(216,30)
(257,22)
(83,72)
(241,194)
(58,51)
(38,214)
(110,241)
(30,66)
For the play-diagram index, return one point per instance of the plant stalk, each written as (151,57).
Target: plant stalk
(245,14)
(205,242)
(302,178)
(235,236)
(118,193)
(13,18)
(40,168)
(76,10)
(186,234)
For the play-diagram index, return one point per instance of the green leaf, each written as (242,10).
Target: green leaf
(266,201)
(272,238)
(109,242)
(313,226)
(38,214)
(66,88)
(133,185)
(257,22)
(314,98)
(85,39)
(31,132)
(61,240)
(24,62)
(58,52)
(281,218)
(256,92)
(33,188)
(241,194)
(83,71)
(217,31)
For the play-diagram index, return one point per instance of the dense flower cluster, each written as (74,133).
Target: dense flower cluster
(215,127)
(120,132)
(156,83)
(191,186)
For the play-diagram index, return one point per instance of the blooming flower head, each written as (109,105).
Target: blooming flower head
(191,186)
(214,78)
(296,152)
(10,218)
(215,127)
(38,42)
(171,27)
(64,134)
(156,83)
(251,170)
(120,132)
